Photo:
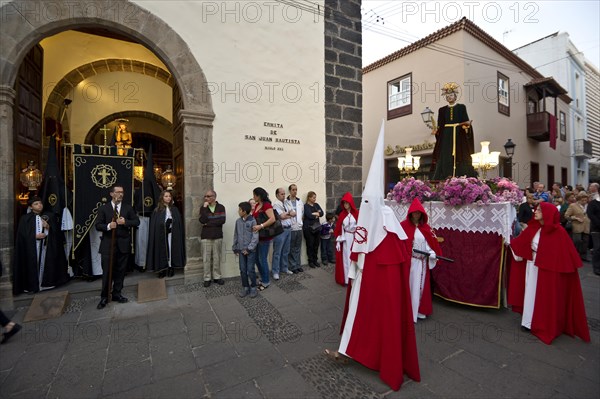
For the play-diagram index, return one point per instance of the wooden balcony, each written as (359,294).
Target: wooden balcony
(538,126)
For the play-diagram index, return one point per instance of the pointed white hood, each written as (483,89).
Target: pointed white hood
(375,219)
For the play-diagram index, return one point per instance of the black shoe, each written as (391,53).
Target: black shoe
(596,273)
(207,283)
(6,336)
(120,299)
(312,265)
(170,272)
(162,274)
(140,269)
(219,281)
(300,270)
(296,271)
(323,262)
(317,264)
(102,304)
(525,329)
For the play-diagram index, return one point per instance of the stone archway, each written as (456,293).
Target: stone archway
(21,29)
(64,87)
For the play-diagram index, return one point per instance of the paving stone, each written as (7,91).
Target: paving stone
(79,376)
(190,385)
(331,380)
(120,379)
(35,368)
(244,390)
(239,370)
(285,383)
(207,355)
(171,355)
(166,324)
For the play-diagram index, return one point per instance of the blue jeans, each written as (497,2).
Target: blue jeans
(327,254)
(247,269)
(262,262)
(281,251)
(295,248)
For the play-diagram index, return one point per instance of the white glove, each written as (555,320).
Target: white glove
(432,255)
(338,247)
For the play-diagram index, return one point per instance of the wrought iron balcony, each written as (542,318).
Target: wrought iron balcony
(582,148)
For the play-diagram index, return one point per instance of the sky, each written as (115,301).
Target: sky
(391,25)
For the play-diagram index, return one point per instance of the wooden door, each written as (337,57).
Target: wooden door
(28,118)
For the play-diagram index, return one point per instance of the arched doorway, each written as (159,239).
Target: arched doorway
(193,117)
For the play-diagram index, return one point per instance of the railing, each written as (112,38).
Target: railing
(582,148)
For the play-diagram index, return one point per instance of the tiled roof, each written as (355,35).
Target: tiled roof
(468,26)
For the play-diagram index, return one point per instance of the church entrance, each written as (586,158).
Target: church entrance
(75,79)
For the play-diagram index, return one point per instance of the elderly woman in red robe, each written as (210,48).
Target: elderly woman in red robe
(544,283)
(420,237)
(344,235)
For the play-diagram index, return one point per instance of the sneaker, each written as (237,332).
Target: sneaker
(244,291)
(288,272)
(253,292)
(421,316)
(275,276)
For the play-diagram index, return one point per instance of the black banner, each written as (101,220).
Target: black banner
(94,174)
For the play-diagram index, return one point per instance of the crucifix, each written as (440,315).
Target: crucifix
(104,130)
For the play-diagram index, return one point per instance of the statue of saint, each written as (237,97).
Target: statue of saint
(123,138)
(454,139)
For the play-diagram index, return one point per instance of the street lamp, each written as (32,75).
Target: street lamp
(408,164)
(427,116)
(485,160)
(509,147)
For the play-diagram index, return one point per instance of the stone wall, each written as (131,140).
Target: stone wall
(343,99)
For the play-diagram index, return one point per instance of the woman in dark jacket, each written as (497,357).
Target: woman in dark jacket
(166,238)
(312,214)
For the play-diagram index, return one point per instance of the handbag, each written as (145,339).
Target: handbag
(273,230)
(315,226)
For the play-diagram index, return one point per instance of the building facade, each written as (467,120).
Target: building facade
(505,98)
(555,55)
(237,95)
(592,103)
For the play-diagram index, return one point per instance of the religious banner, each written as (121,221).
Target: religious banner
(94,174)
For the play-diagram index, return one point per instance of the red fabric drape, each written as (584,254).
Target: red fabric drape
(552,130)
(474,277)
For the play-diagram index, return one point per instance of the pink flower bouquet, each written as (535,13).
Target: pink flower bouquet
(410,188)
(466,190)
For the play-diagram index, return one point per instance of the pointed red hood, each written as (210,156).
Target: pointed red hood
(409,227)
(349,199)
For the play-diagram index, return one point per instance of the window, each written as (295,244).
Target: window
(503,95)
(399,95)
(563,126)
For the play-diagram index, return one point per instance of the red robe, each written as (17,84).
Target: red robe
(425,305)
(382,334)
(339,260)
(559,306)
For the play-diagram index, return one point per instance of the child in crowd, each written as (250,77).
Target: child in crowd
(245,241)
(327,254)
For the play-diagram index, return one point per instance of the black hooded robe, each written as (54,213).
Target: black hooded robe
(25,266)
(157,254)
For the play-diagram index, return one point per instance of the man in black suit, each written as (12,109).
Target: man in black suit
(120,217)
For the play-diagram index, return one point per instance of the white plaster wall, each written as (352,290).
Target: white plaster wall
(264,62)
